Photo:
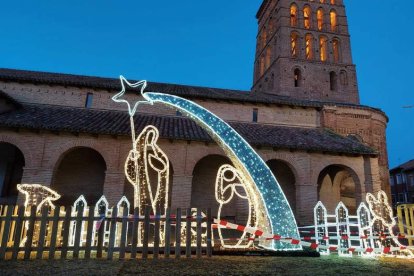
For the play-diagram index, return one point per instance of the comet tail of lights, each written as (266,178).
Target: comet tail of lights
(274,213)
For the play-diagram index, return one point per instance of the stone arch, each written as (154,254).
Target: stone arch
(298,73)
(203,182)
(59,153)
(80,171)
(287,177)
(337,182)
(23,147)
(12,162)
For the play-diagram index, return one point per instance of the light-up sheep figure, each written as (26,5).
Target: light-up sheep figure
(194,229)
(383,220)
(39,196)
(230,182)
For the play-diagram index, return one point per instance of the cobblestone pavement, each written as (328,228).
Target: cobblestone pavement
(219,265)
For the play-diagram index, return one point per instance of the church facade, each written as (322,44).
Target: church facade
(303,117)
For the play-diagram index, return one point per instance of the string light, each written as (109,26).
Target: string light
(383,220)
(38,195)
(228,181)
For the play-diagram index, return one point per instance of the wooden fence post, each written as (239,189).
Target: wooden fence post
(146,233)
(209,236)
(199,218)
(100,242)
(78,232)
(124,230)
(6,230)
(112,233)
(53,236)
(167,245)
(157,235)
(135,229)
(89,231)
(42,232)
(19,230)
(30,231)
(188,234)
(178,234)
(66,232)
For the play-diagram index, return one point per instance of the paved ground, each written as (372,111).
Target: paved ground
(219,265)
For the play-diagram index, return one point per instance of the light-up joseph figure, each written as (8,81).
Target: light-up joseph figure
(274,214)
(147,166)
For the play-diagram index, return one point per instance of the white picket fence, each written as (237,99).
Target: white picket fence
(344,231)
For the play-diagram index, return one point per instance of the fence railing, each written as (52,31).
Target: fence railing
(79,232)
(406,221)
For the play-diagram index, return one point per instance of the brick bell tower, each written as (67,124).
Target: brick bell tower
(304,51)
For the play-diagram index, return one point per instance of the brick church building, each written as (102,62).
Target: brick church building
(302,115)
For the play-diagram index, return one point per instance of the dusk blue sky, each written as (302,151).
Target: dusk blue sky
(206,43)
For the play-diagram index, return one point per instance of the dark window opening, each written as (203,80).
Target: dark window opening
(333,81)
(255,115)
(89,100)
(178,113)
(11,172)
(297,77)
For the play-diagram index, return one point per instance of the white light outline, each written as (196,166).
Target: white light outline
(220,191)
(30,189)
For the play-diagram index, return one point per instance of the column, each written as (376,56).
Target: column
(181,191)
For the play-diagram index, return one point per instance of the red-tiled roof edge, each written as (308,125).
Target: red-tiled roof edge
(114,84)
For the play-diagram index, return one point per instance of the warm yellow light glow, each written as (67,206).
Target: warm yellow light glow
(309,46)
(293,16)
(320,16)
(144,159)
(294,44)
(333,21)
(323,48)
(307,17)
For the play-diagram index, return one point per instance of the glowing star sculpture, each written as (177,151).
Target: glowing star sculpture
(274,214)
(230,182)
(147,166)
(38,195)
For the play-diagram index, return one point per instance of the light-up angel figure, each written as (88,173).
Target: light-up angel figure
(230,183)
(383,221)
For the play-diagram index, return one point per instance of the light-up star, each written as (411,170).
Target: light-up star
(118,97)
